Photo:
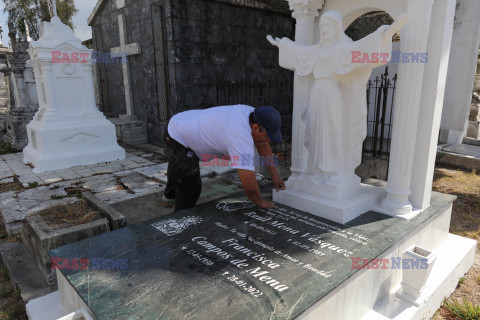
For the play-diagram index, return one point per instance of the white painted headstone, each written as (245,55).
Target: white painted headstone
(67,130)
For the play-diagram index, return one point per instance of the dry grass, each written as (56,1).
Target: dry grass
(11,303)
(465,184)
(69,215)
(11,186)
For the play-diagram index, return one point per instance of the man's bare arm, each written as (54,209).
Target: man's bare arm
(265,151)
(250,185)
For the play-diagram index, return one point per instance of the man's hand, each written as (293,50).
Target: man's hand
(279,183)
(265,204)
(250,185)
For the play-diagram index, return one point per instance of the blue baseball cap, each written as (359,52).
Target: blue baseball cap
(270,119)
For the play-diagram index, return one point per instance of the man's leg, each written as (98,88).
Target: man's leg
(188,185)
(169,192)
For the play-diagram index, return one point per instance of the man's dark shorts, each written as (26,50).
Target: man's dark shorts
(183,174)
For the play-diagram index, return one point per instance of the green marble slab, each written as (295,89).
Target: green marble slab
(227,259)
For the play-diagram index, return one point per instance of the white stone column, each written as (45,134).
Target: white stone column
(407,105)
(433,91)
(304,14)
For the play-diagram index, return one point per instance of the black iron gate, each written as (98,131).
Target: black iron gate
(380,99)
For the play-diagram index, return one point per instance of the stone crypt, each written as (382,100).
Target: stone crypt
(178,51)
(334,248)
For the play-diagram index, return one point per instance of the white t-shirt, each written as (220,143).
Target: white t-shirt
(217,132)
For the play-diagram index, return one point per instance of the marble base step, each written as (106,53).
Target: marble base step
(372,292)
(455,257)
(64,143)
(338,211)
(45,308)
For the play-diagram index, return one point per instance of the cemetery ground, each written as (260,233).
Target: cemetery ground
(141,178)
(465,184)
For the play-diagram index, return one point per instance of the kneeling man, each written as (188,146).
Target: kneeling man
(232,131)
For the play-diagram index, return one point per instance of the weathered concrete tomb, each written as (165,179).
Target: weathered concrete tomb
(177,52)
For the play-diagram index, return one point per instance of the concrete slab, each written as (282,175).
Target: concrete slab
(6,180)
(139,184)
(142,208)
(12,164)
(45,308)
(114,196)
(465,149)
(471,141)
(460,155)
(115,218)
(39,238)
(23,272)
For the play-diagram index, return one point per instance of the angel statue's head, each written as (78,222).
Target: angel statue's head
(331,28)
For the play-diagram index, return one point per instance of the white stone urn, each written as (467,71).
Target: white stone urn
(81,314)
(420,262)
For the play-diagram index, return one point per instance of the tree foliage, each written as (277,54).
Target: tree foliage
(33,12)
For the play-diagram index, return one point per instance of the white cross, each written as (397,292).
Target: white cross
(52,8)
(126,50)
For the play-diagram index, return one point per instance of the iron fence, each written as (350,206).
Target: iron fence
(380,100)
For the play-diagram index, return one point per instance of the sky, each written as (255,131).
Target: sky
(82,30)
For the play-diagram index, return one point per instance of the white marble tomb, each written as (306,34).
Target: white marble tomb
(67,130)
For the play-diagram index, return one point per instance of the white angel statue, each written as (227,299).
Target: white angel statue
(335,118)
